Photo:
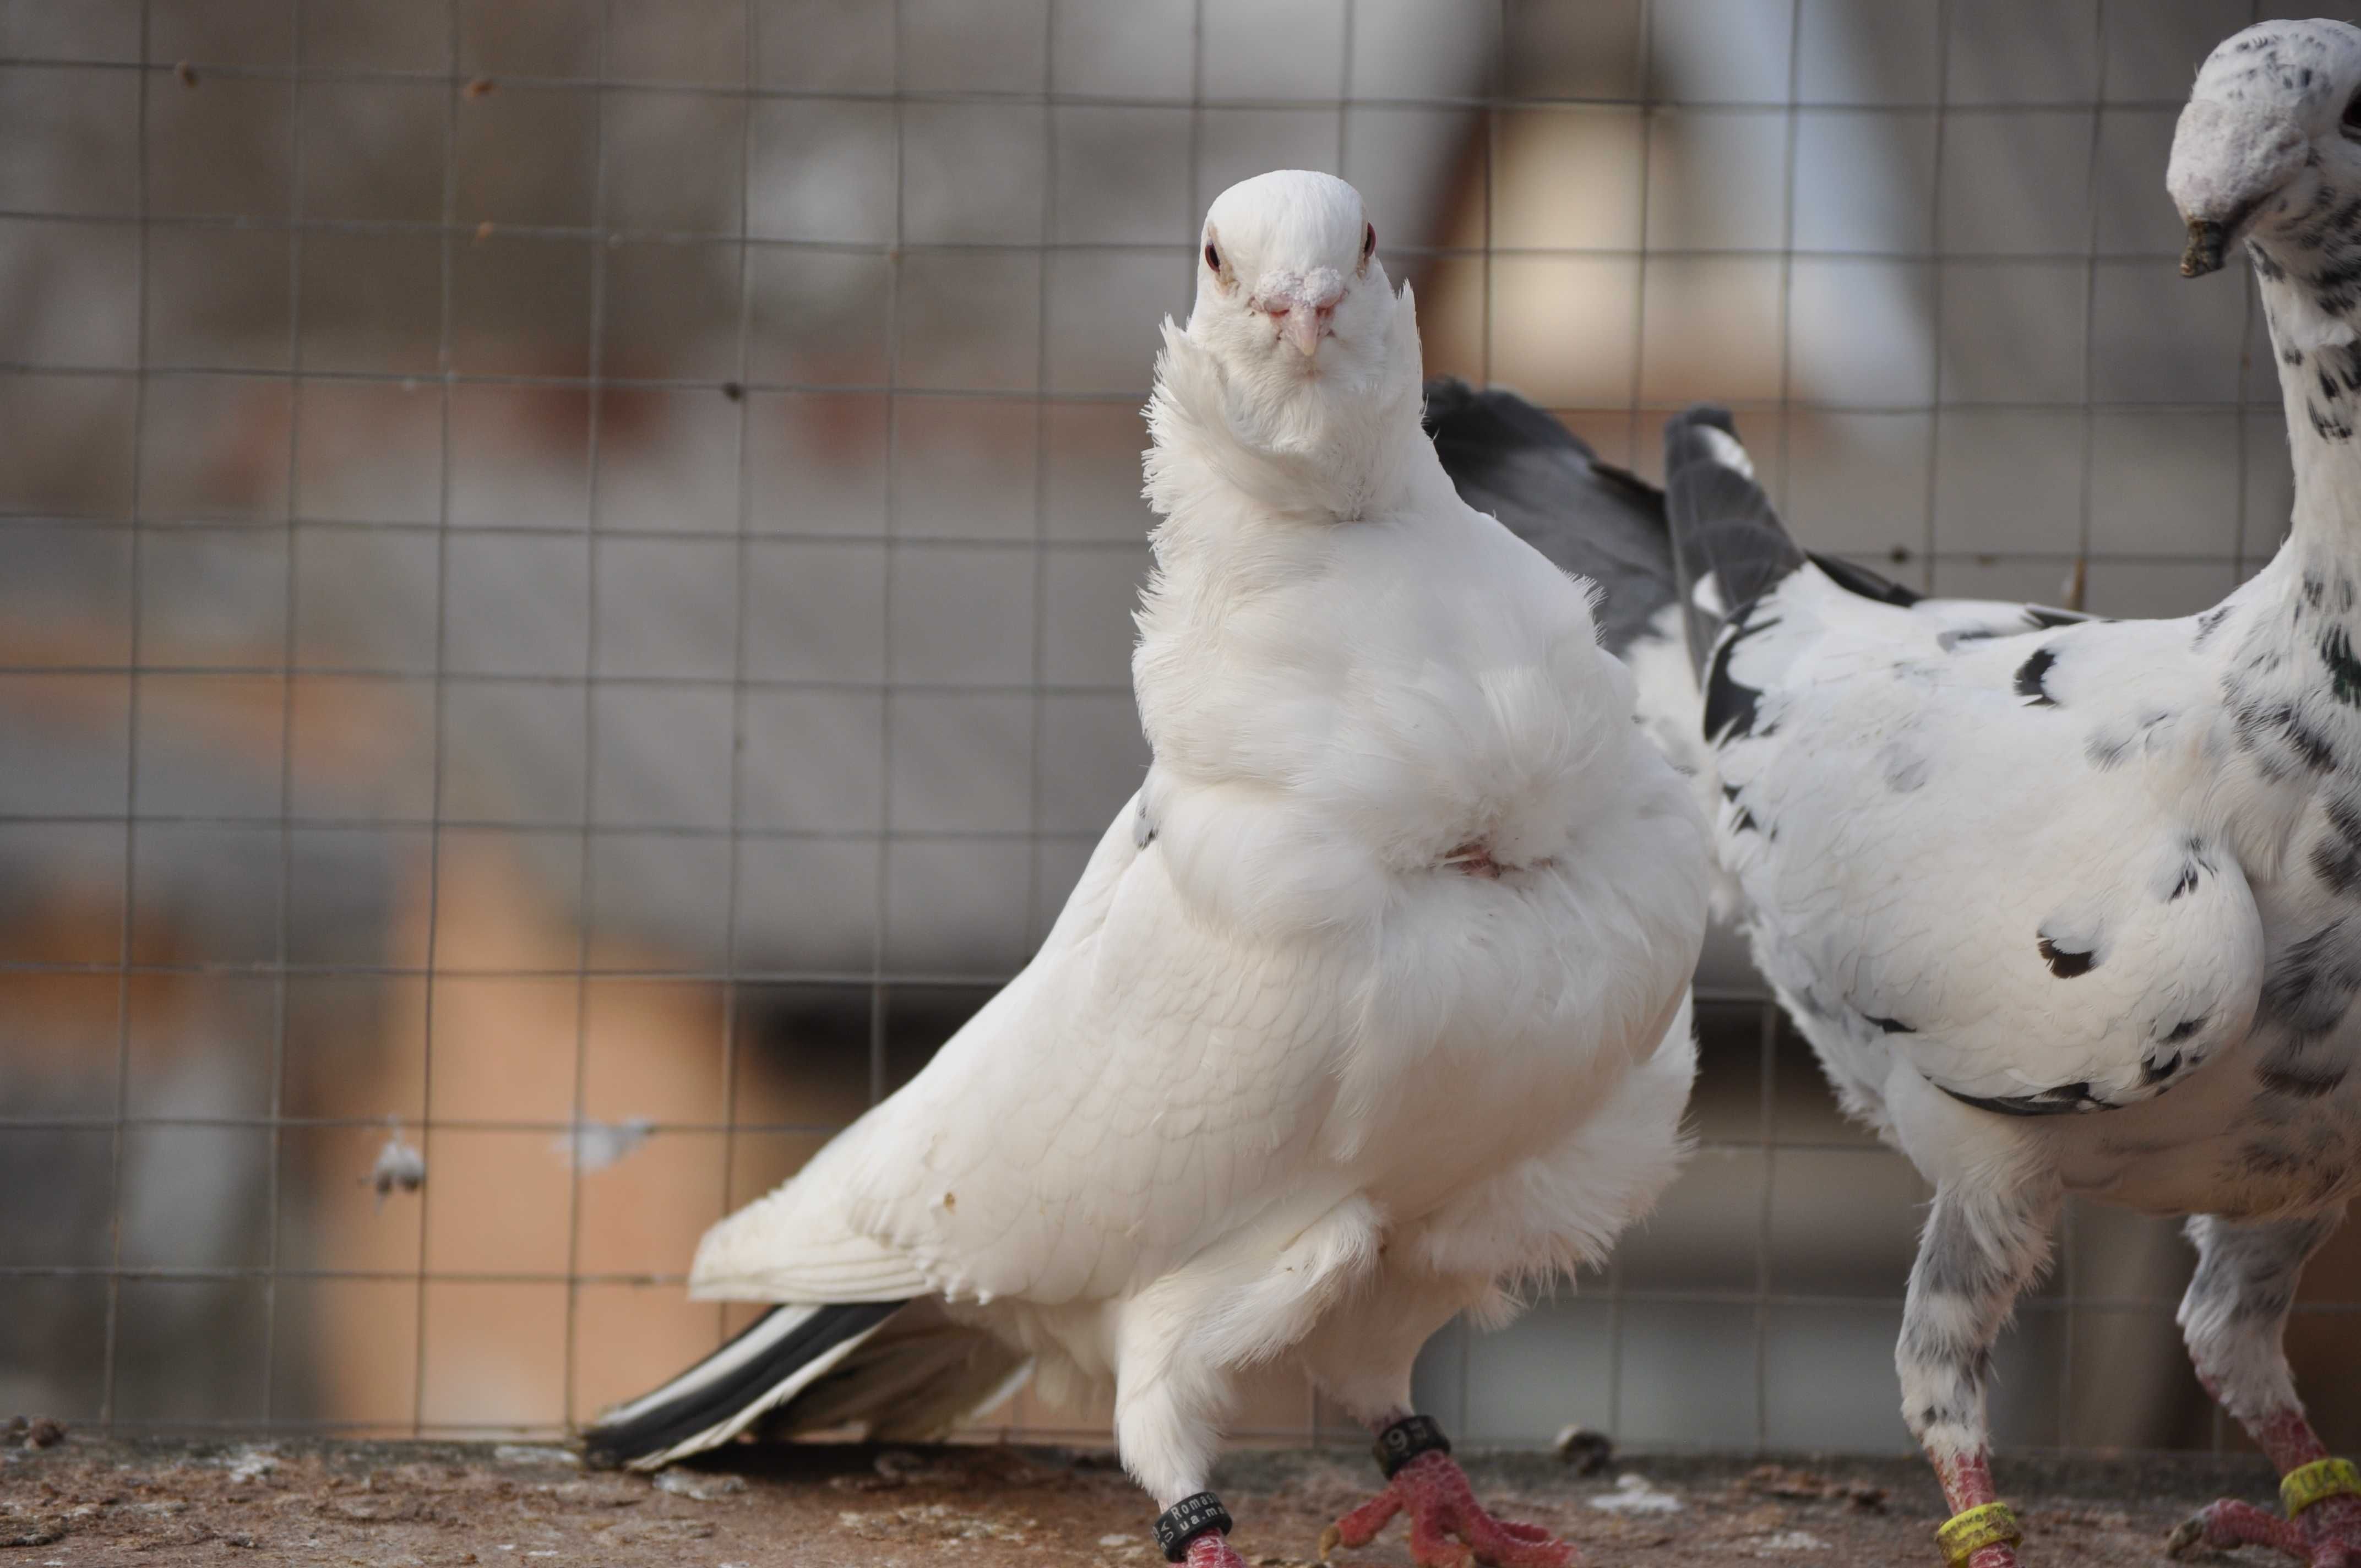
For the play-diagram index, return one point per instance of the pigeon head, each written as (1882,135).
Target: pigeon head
(2268,150)
(1289,290)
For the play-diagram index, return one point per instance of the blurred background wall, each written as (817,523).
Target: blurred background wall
(565,586)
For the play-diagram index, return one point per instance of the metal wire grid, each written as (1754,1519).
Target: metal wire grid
(883,980)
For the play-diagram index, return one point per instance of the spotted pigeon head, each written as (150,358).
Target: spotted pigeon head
(2268,147)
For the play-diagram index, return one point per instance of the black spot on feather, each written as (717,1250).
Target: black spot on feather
(2065,963)
(2183,1029)
(2106,752)
(2311,983)
(2066,1099)
(2188,883)
(2028,679)
(1889,1026)
(2343,669)
(2209,623)
(2299,1081)
(1869,585)
(2158,1069)
(1733,708)
(1743,822)
(2307,742)
(2045,617)
(2338,867)
(2258,720)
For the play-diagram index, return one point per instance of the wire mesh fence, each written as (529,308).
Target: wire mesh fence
(566,569)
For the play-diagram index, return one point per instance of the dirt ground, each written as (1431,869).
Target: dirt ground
(80,1504)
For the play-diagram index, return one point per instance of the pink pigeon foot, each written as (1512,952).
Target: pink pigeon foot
(1435,1492)
(1212,1550)
(2325,1535)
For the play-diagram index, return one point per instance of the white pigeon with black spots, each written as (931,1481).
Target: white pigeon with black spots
(2075,905)
(1369,1010)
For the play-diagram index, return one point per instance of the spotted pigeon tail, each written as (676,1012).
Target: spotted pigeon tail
(1729,547)
(1513,460)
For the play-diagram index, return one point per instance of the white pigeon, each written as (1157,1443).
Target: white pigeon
(2072,905)
(1369,1009)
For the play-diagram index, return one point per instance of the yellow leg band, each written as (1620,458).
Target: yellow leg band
(1965,1534)
(2317,1482)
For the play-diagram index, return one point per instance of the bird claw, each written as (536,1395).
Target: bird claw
(2186,1538)
(1435,1492)
(2327,1535)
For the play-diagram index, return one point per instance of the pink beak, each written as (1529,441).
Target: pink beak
(1304,310)
(1305,325)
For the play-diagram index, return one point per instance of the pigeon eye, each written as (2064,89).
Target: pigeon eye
(2352,116)
(1370,231)
(1213,256)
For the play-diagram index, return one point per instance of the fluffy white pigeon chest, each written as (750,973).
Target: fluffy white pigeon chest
(1410,689)
(1400,746)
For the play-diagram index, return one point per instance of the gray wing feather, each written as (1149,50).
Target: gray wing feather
(1513,460)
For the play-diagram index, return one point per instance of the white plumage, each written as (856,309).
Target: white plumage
(1370,1006)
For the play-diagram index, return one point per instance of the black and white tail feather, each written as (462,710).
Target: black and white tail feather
(781,1354)
(1729,548)
(901,1371)
(1646,548)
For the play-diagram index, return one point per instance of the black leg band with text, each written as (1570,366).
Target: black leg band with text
(1187,1519)
(1406,1439)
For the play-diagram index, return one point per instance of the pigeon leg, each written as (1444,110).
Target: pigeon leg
(1983,1245)
(2233,1318)
(1167,1428)
(1196,1531)
(1423,1482)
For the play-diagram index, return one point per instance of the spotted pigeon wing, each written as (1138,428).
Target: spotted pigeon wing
(1975,836)
(1991,856)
